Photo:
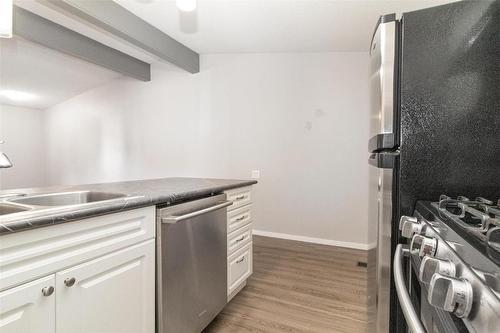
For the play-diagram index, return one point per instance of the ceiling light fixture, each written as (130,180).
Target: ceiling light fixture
(6,18)
(186,5)
(16,95)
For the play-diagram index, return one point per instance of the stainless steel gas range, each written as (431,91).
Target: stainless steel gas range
(452,280)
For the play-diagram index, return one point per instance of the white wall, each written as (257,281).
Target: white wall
(22,129)
(301,119)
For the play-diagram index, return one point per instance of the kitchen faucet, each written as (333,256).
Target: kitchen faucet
(4,160)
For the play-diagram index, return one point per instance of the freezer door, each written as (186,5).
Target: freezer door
(380,221)
(382,79)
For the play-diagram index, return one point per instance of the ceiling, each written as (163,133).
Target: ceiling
(217,26)
(254,26)
(50,76)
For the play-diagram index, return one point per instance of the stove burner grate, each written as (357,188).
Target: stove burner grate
(480,216)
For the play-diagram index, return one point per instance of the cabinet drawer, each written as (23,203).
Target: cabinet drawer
(239,267)
(239,238)
(238,218)
(240,197)
(27,255)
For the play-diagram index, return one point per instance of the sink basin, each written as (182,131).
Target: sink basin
(66,198)
(11,209)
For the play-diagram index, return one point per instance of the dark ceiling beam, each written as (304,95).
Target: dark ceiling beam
(118,21)
(52,35)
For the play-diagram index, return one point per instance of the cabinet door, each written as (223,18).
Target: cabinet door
(29,308)
(113,293)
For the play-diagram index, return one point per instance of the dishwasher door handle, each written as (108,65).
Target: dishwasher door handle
(175,219)
(411,316)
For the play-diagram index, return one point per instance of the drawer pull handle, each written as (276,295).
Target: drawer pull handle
(241,218)
(240,239)
(240,260)
(47,291)
(69,282)
(241,197)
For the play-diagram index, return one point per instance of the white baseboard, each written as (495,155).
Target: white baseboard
(351,245)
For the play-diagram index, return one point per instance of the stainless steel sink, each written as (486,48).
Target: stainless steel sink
(66,198)
(11,209)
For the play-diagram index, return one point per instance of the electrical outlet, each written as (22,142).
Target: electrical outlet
(255,174)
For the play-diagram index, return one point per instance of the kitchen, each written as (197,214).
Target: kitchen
(179,166)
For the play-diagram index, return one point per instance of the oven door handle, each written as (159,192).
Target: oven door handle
(411,316)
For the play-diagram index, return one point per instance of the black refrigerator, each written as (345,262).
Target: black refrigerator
(435,121)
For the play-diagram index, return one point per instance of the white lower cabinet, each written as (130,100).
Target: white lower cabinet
(27,309)
(113,293)
(100,278)
(239,239)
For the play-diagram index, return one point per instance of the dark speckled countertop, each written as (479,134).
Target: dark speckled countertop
(140,193)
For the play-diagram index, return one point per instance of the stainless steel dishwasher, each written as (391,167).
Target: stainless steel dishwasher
(191,263)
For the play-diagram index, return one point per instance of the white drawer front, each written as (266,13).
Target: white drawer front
(239,238)
(27,255)
(239,267)
(238,218)
(240,197)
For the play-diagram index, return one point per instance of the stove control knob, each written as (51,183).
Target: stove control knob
(423,246)
(493,238)
(409,226)
(429,266)
(451,294)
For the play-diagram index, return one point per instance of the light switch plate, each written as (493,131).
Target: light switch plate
(255,174)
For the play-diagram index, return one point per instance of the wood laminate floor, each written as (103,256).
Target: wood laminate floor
(302,287)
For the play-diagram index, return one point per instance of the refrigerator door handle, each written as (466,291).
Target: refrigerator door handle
(381,141)
(383,160)
(411,316)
